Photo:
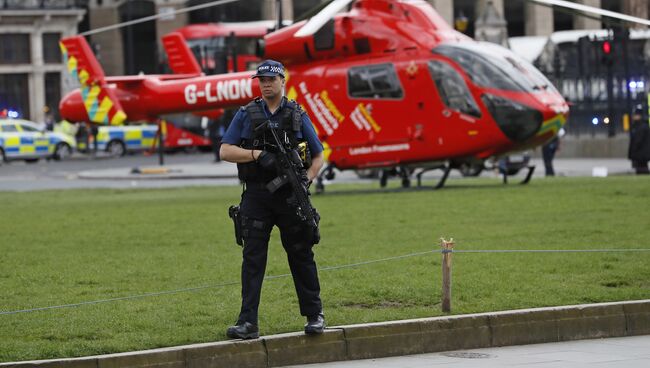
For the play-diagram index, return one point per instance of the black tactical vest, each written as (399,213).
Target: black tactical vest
(290,123)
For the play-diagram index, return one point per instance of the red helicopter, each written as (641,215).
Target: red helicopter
(388,84)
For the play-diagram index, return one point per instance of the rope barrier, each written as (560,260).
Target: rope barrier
(328,268)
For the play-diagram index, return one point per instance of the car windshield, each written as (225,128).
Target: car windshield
(493,66)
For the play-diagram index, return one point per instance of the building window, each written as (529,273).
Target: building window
(374,81)
(51,50)
(14,93)
(15,48)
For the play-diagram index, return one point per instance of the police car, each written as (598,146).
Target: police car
(117,140)
(25,140)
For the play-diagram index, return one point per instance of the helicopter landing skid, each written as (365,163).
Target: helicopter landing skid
(529,175)
(446,169)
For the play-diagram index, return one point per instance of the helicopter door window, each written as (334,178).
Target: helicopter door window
(453,89)
(374,81)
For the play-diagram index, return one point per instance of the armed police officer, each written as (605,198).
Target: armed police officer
(251,141)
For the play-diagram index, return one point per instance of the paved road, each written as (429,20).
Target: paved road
(183,169)
(623,352)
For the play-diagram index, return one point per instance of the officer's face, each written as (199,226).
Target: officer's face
(271,87)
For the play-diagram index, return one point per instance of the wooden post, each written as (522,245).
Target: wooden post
(447,249)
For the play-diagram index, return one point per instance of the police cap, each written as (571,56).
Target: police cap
(270,68)
(638,109)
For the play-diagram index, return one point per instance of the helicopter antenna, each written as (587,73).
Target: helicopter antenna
(156,16)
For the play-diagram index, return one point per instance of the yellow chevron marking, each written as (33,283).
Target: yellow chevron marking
(118,118)
(104,108)
(92,97)
(83,77)
(72,64)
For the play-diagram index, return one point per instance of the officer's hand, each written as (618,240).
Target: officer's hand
(266,159)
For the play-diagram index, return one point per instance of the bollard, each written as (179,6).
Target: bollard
(447,249)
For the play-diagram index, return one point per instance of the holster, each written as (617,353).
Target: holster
(316,230)
(235,215)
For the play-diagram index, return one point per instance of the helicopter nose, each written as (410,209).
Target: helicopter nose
(72,107)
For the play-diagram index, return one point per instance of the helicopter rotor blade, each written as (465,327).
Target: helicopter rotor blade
(590,10)
(318,20)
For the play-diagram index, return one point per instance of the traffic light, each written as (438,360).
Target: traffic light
(606,52)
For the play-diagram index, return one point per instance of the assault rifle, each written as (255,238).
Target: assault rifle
(292,171)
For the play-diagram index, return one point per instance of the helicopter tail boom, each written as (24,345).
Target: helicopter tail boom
(100,102)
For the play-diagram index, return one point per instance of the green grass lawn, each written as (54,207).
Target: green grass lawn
(75,246)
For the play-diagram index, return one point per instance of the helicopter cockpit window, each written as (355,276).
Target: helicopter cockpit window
(480,68)
(374,81)
(452,88)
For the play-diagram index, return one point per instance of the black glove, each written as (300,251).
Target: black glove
(266,159)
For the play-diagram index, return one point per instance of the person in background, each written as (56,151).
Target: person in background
(49,119)
(639,150)
(548,152)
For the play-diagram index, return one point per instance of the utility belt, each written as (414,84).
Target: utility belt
(255,185)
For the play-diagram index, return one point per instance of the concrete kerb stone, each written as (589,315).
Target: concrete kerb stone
(383,339)
(298,348)
(529,326)
(226,354)
(455,332)
(165,357)
(637,316)
(591,321)
(376,340)
(417,336)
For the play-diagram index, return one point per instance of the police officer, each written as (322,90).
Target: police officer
(639,149)
(252,150)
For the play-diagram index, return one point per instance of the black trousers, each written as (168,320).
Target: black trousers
(548,153)
(260,211)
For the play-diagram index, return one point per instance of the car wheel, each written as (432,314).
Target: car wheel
(470,169)
(62,151)
(2,156)
(116,149)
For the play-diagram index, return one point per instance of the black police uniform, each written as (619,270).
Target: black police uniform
(261,210)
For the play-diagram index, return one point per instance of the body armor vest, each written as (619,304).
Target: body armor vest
(289,125)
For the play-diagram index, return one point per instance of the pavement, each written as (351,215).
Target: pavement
(616,352)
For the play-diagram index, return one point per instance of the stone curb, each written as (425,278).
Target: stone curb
(375,340)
